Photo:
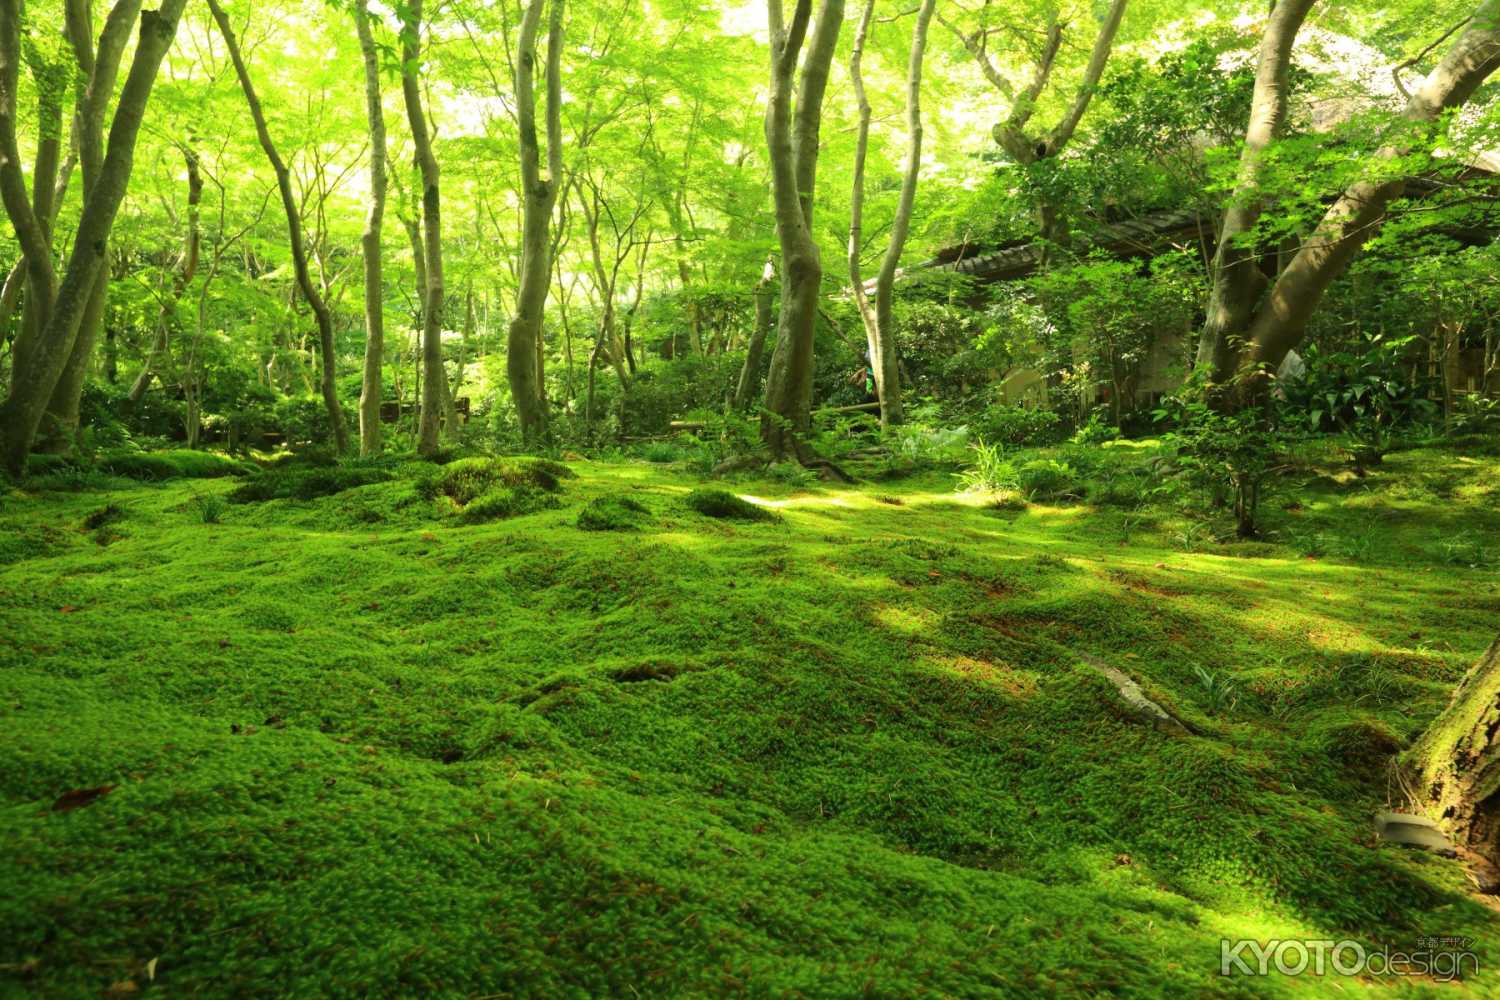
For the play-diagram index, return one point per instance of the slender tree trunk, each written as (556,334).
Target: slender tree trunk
(372,384)
(32,387)
(879,322)
(792,138)
(434,384)
(310,292)
(765,319)
(187,267)
(539,196)
(1276,322)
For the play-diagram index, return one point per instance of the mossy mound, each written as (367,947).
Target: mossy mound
(508,501)
(296,482)
(726,506)
(466,479)
(613,513)
(144,466)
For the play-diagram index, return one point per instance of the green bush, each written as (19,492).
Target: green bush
(660,452)
(612,513)
(1016,425)
(1047,479)
(1096,430)
(725,505)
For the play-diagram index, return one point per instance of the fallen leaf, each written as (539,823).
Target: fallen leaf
(123,988)
(151,971)
(80,797)
(66,609)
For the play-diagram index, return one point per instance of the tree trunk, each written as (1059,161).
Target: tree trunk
(434,377)
(99,69)
(1453,771)
(878,319)
(793,145)
(765,318)
(33,385)
(372,384)
(539,195)
(310,292)
(1237,278)
(1256,345)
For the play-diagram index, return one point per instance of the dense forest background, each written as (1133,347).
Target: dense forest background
(621,149)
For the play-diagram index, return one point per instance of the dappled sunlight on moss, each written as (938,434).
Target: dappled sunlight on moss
(853,742)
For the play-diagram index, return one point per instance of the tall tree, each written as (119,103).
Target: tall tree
(310,291)
(35,375)
(1030,147)
(538,197)
(1252,324)
(98,68)
(792,139)
(434,378)
(372,383)
(878,319)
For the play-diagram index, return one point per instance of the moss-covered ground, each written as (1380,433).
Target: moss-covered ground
(366,745)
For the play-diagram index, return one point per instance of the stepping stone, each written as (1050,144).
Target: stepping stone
(1412,831)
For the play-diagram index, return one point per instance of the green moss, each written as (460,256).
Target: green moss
(726,505)
(466,479)
(613,513)
(508,501)
(356,745)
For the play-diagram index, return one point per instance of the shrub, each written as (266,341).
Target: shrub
(660,452)
(1047,479)
(1017,425)
(612,513)
(1096,430)
(1231,457)
(723,504)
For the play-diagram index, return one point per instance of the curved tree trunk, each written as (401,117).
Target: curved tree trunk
(99,67)
(765,317)
(310,292)
(1275,322)
(32,386)
(539,195)
(1454,769)
(434,377)
(792,139)
(372,384)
